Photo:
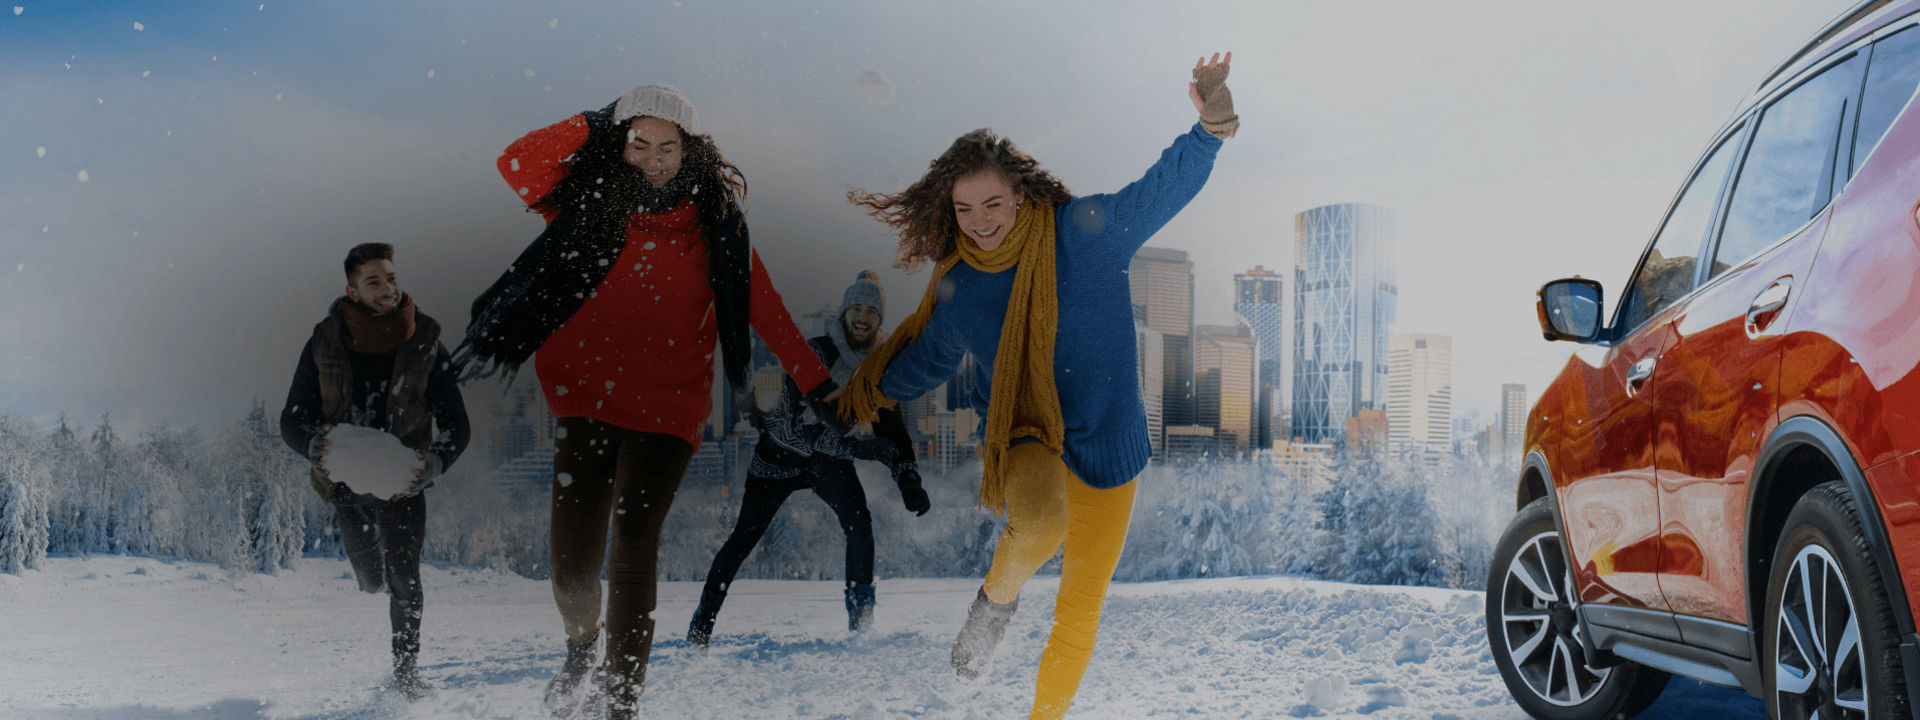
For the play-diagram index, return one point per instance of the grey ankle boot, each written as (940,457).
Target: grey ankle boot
(986,622)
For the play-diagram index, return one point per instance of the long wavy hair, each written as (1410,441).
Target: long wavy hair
(606,190)
(923,213)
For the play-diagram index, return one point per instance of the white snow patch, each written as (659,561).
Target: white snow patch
(186,639)
(370,461)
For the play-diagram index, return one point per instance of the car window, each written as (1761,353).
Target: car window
(1892,75)
(1667,272)
(1788,172)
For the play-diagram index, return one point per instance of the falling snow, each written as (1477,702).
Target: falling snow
(429,73)
(83,176)
(137,27)
(40,151)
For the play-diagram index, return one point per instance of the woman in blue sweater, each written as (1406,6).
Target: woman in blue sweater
(1064,433)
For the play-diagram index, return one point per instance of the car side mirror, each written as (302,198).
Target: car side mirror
(1569,309)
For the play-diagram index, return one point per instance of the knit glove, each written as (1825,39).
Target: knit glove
(911,494)
(430,468)
(1216,113)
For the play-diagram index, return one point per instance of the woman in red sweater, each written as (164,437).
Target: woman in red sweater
(644,262)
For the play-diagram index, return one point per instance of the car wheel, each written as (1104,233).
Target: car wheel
(1830,634)
(1534,632)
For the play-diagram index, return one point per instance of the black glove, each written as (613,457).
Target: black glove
(828,413)
(600,123)
(317,447)
(911,494)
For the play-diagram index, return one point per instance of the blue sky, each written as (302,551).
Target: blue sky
(1516,142)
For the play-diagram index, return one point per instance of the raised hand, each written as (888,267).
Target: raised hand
(1210,96)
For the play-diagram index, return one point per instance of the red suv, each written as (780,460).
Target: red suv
(1723,483)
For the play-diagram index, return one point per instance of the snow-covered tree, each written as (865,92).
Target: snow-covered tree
(262,481)
(24,495)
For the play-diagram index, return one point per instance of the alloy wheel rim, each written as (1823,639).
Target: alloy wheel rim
(1819,663)
(1540,627)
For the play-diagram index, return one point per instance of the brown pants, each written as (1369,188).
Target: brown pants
(609,476)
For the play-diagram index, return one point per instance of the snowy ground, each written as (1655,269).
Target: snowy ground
(121,637)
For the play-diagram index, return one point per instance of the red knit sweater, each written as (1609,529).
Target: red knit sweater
(639,353)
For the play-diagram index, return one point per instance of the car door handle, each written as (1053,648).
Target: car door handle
(1768,303)
(1638,374)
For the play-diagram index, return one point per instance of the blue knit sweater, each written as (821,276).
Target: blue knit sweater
(1095,360)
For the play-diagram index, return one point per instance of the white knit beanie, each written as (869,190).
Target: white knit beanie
(661,101)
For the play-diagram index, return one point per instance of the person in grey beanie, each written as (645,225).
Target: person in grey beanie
(799,451)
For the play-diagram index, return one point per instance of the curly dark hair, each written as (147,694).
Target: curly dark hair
(923,213)
(607,189)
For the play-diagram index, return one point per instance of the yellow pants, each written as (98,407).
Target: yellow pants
(1047,506)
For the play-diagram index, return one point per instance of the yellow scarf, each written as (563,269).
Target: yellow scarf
(1024,402)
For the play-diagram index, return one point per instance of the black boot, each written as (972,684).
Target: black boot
(623,695)
(860,604)
(406,679)
(406,654)
(700,630)
(986,622)
(560,698)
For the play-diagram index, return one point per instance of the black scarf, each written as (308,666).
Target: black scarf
(555,274)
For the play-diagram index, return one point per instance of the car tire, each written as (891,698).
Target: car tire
(1534,631)
(1830,635)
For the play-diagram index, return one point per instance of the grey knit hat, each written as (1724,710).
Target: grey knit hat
(661,101)
(865,290)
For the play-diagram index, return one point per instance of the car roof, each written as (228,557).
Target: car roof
(1856,22)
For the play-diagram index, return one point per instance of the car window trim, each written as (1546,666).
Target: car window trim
(1896,28)
(1703,278)
(1739,133)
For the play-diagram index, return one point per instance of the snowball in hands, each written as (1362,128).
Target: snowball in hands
(370,461)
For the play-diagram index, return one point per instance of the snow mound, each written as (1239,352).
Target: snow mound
(370,461)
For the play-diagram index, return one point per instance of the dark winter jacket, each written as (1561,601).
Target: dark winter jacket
(406,392)
(792,439)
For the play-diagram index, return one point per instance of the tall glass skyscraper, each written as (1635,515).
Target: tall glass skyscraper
(1161,280)
(1257,295)
(1345,296)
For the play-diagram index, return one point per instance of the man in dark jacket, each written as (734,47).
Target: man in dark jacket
(798,450)
(378,363)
